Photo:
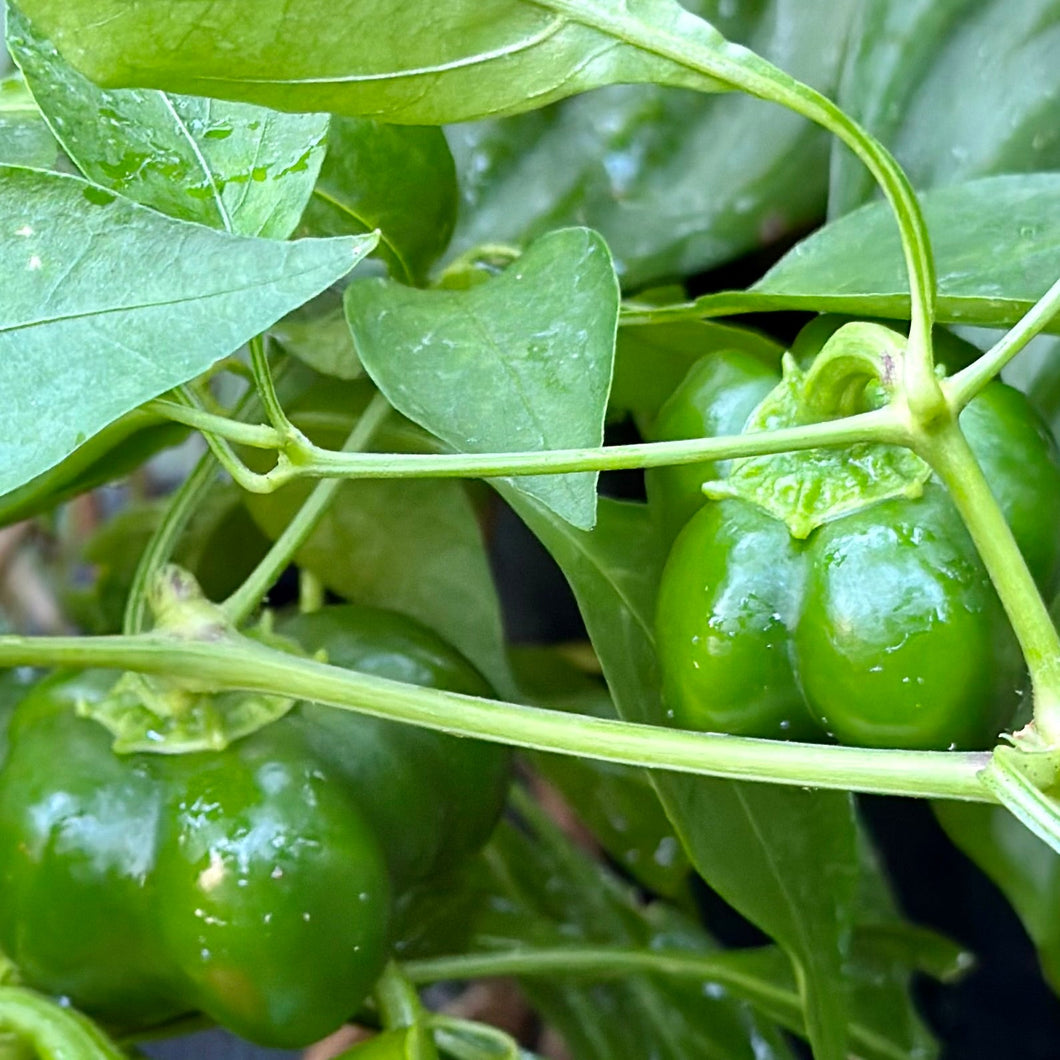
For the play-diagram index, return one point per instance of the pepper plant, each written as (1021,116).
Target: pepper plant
(245,222)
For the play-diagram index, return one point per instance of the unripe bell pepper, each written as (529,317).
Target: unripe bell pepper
(837,593)
(254,884)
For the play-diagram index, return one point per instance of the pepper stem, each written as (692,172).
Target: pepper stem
(855,357)
(951,458)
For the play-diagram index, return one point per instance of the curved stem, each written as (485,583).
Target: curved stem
(54,1032)
(266,386)
(965,384)
(399,1004)
(952,459)
(496,1044)
(400,1007)
(743,69)
(181,507)
(256,668)
(240,604)
(251,434)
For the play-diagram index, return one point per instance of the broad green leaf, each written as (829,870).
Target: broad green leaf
(785,858)
(241,168)
(1025,870)
(997,248)
(419,62)
(397,178)
(899,82)
(533,889)
(567,896)
(523,361)
(675,181)
(108,304)
(25,139)
(413,546)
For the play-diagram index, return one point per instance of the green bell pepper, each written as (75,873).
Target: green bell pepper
(863,614)
(254,884)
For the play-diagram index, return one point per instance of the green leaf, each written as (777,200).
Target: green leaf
(553,895)
(25,139)
(241,168)
(997,249)
(419,63)
(399,179)
(413,545)
(523,361)
(899,78)
(108,304)
(785,858)
(675,181)
(1024,869)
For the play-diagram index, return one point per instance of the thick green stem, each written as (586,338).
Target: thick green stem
(856,355)
(53,1032)
(256,668)
(951,458)
(243,601)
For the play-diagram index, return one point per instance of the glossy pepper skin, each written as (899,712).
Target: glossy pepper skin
(881,628)
(254,884)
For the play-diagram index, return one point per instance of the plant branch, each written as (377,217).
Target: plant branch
(951,458)
(240,604)
(255,435)
(266,386)
(254,667)
(602,963)
(881,425)
(961,387)
(743,69)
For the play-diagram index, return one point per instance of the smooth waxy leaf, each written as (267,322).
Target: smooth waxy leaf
(420,63)
(413,546)
(899,78)
(523,361)
(997,250)
(785,858)
(108,304)
(25,139)
(241,168)
(532,888)
(399,179)
(675,181)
